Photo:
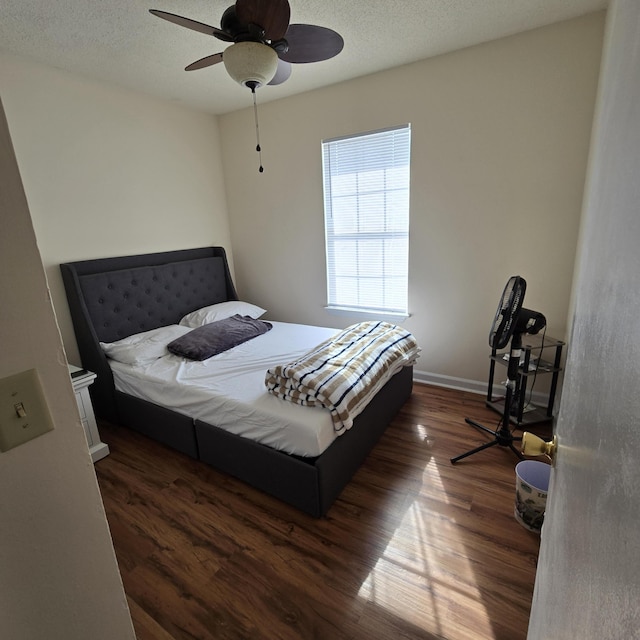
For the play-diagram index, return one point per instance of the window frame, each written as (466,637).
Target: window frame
(401,135)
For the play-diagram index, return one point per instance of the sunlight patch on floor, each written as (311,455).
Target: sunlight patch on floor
(424,576)
(421,430)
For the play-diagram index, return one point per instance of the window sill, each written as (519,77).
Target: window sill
(369,314)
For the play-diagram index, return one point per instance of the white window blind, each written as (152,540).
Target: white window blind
(366,204)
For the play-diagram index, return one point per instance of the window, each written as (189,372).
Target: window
(366,205)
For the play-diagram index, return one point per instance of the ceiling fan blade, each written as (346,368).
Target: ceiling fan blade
(311,43)
(282,73)
(272,15)
(204,62)
(192,24)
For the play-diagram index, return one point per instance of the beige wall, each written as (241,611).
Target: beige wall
(110,172)
(58,573)
(500,140)
(500,137)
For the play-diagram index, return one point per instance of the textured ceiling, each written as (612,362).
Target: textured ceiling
(119,42)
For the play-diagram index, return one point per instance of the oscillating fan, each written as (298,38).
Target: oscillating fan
(510,322)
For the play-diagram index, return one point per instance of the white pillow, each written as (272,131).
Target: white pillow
(145,347)
(221,311)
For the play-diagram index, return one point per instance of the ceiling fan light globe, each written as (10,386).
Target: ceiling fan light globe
(250,63)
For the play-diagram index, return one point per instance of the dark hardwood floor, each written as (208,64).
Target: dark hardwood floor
(415,547)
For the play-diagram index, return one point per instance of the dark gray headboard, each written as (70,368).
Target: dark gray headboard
(111,298)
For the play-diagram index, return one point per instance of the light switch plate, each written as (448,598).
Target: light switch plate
(24,413)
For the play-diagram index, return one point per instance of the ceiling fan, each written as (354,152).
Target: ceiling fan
(264,44)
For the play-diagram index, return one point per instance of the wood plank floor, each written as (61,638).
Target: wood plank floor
(415,547)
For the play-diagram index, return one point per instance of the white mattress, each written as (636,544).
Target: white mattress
(228,390)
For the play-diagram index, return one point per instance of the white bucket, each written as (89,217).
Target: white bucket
(532,484)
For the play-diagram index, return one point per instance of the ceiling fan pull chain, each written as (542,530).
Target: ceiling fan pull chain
(255,115)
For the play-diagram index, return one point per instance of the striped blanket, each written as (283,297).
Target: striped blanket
(343,373)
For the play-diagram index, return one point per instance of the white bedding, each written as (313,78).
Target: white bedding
(228,390)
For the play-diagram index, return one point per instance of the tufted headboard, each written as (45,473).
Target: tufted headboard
(111,298)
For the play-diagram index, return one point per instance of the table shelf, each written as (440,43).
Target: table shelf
(532,365)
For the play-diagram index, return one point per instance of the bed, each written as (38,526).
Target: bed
(113,298)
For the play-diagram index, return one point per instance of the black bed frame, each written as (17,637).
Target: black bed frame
(112,298)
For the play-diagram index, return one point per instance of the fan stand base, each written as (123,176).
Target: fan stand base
(502,437)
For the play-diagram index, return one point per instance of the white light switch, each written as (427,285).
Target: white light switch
(24,413)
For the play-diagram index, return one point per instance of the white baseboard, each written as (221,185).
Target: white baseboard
(464,384)
(449,382)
